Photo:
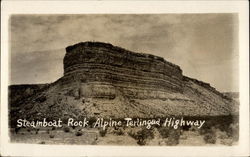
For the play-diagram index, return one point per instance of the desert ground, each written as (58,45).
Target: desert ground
(128,136)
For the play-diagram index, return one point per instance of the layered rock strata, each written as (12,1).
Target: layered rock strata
(102,70)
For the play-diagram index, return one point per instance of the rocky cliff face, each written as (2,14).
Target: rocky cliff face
(104,80)
(106,69)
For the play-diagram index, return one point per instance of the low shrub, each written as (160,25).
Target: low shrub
(205,130)
(132,134)
(103,132)
(42,142)
(37,130)
(210,138)
(145,134)
(78,133)
(66,129)
(119,132)
(142,135)
(164,132)
(141,142)
(51,136)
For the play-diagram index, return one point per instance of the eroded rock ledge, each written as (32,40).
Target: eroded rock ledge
(102,70)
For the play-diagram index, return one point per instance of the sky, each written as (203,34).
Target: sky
(205,46)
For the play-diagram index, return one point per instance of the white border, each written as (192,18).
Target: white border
(81,7)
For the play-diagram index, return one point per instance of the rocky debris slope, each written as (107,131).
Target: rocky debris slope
(232,95)
(19,93)
(104,80)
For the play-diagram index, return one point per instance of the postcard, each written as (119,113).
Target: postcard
(124,78)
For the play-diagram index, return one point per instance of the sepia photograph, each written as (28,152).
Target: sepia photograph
(128,80)
(153,82)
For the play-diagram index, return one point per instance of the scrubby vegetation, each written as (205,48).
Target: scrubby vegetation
(42,142)
(66,129)
(103,132)
(142,135)
(164,132)
(37,130)
(118,131)
(210,137)
(172,136)
(220,130)
(78,133)
(53,128)
(51,135)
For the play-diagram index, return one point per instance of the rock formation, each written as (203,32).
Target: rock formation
(107,68)
(105,80)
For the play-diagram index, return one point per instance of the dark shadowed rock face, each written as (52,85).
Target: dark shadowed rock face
(104,66)
(18,93)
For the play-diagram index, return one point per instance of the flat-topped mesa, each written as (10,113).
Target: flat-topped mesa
(110,69)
